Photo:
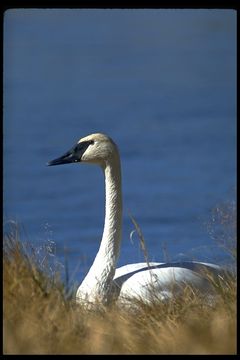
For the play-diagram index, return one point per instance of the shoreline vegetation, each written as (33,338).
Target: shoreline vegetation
(40,319)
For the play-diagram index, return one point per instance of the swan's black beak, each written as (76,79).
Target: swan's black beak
(68,158)
(73,155)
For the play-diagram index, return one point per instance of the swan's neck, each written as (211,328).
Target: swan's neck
(97,283)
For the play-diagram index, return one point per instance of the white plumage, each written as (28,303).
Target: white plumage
(103,282)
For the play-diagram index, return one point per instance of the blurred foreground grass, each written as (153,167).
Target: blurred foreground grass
(38,319)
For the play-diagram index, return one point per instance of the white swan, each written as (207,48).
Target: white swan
(103,281)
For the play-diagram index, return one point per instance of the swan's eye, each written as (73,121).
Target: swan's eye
(82,146)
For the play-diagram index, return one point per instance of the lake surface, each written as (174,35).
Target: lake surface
(162,84)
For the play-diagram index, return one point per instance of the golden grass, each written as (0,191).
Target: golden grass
(39,320)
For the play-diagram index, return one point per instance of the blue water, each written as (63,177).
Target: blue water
(162,84)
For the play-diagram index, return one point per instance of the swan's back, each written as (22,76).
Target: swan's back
(162,281)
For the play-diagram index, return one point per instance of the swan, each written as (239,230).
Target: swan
(103,282)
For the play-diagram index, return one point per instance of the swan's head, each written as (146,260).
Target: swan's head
(95,148)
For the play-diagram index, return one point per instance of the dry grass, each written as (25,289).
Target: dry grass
(39,320)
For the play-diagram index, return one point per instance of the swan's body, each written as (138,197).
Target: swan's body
(103,281)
